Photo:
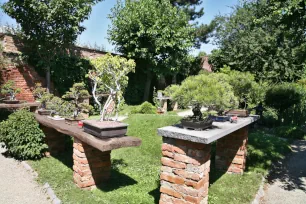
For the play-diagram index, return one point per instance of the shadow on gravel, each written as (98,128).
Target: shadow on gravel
(291,171)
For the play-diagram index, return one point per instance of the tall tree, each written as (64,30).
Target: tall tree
(49,27)
(264,37)
(154,32)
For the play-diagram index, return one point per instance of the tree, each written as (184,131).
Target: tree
(266,38)
(49,27)
(153,32)
(110,75)
(190,7)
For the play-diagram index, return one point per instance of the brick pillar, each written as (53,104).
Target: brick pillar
(91,166)
(231,151)
(55,140)
(184,176)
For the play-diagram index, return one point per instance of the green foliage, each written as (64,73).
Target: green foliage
(144,108)
(283,96)
(110,75)
(22,136)
(153,32)
(41,94)
(60,107)
(208,90)
(9,89)
(78,93)
(270,117)
(290,132)
(266,38)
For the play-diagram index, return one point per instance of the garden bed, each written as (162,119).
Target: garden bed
(136,178)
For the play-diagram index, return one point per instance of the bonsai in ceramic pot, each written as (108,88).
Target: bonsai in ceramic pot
(203,91)
(43,97)
(78,94)
(109,75)
(10,91)
(59,108)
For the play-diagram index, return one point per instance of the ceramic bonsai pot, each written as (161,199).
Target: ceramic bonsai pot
(105,129)
(219,118)
(238,112)
(44,112)
(11,101)
(193,124)
(73,121)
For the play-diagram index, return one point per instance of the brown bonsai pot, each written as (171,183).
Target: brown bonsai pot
(44,112)
(105,129)
(190,123)
(11,101)
(73,121)
(238,112)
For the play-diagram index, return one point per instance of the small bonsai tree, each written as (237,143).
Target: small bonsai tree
(110,75)
(204,90)
(41,95)
(9,89)
(78,93)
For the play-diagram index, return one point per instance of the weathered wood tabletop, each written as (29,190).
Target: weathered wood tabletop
(19,105)
(100,144)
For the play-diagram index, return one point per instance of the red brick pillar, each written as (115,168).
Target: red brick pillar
(91,166)
(231,151)
(55,140)
(185,170)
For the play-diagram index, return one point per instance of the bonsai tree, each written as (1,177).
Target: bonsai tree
(204,90)
(42,95)
(60,107)
(9,89)
(78,93)
(110,75)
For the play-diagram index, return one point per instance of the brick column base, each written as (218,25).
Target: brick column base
(91,166)
(231,152)
(185,170)
(54,140)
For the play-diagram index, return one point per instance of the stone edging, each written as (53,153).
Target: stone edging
(46,187)
(260,193)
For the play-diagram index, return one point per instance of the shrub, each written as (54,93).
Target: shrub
(22,136)
(144,108)
(290,131)
(270,117)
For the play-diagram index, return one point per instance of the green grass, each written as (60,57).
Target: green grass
(135,171)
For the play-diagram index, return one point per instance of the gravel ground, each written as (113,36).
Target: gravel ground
(17,186)
(287,182)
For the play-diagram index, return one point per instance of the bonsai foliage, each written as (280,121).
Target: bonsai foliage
(78,93)
(60,107)
(205,90)
(41,94)
(110,75)
(22,136)
(9,89)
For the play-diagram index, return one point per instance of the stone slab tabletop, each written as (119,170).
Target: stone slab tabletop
(100,144)
(219,130)
(19,105)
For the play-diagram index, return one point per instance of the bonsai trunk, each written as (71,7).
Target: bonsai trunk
(148,86)
(48,78)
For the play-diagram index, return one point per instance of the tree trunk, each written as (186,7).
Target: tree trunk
(174,80)
(48,79)
(148,86)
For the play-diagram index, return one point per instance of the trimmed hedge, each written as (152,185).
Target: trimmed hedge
(22,136)
(144,108)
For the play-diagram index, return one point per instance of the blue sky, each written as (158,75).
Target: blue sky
(97,24)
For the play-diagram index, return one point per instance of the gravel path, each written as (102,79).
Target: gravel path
(287,182)
(17,186)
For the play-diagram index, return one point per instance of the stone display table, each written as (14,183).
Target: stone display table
(33,106)
(91,155)
(186,154)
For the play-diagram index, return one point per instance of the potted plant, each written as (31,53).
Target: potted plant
(206,91)
(9,90)
(59,108)
(43,97)
(109,75)
(78,94)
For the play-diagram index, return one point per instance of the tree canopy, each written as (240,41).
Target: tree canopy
(49,26)
(152,31)
(266,38)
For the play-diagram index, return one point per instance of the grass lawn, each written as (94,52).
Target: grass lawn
(135,171)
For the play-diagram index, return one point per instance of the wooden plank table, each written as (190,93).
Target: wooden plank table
(91,155)
(33,105)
